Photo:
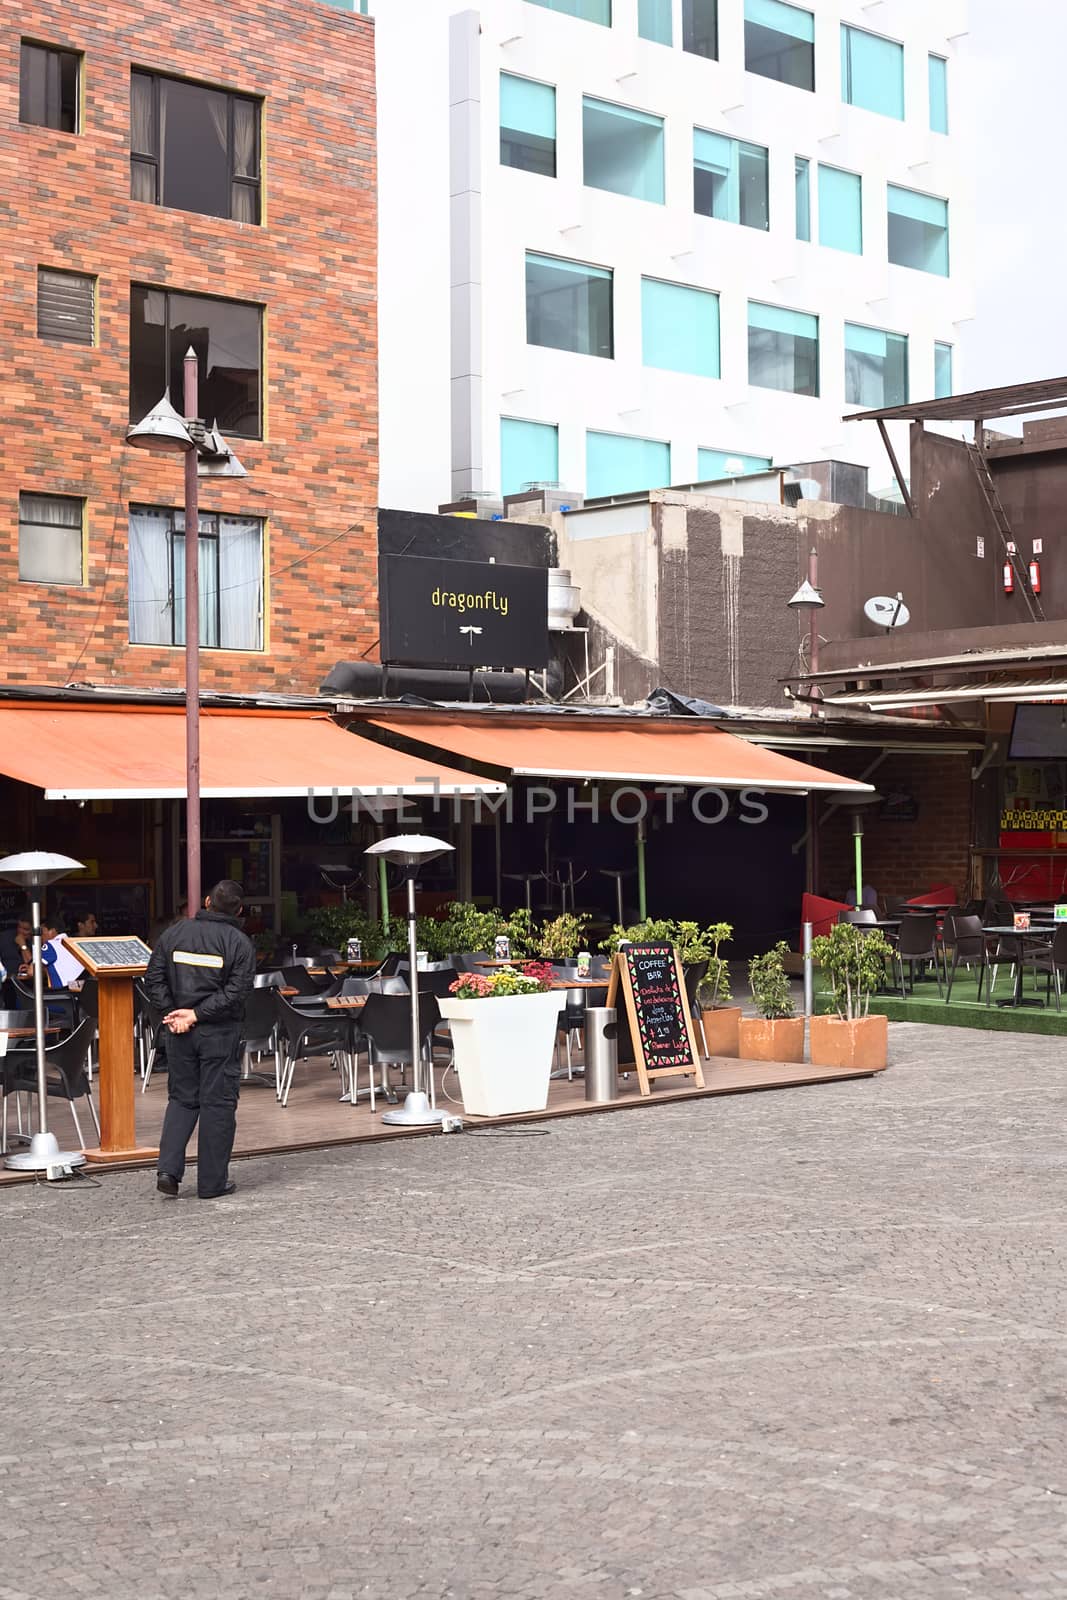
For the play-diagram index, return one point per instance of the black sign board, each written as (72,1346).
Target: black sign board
(111,955)
(656,1035)
(440,613)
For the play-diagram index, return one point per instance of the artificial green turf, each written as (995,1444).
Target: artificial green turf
(965,1010)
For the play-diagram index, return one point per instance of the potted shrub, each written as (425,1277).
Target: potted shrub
(466,928)
(776,1034)
(562,938)
(333,926)
(503,1034)
(851,961)
(718,1018)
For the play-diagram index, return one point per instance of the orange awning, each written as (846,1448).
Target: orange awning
(78,752)
(648,751)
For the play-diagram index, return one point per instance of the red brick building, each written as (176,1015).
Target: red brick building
(173,176)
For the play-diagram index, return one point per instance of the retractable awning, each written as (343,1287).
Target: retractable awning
(76,752)
(669,752)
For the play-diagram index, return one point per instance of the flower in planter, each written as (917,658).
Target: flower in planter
(536,978)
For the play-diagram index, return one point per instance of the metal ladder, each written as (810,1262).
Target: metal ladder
(1004,528)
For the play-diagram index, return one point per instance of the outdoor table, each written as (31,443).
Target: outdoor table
(1019,935)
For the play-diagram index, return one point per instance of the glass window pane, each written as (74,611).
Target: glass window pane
(245,131)
(841,210)
(226,337)
(918,231)
(68,91)
(938,94)
(587,10)
(780,42)
(527,125)
(568,306)
(622,150)
(679,328)
(33,85)
(50,539)
(148,350)
(872,72)
(619,464)
(208,561)
(783,349)
(876,367)
(529,453)
(730,180)
(712,464)
(942,371)
(240,607)
(194,124)
(654,20)
(700,28)
(48,87)
(803,194)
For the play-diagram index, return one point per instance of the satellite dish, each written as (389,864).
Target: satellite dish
(887,612)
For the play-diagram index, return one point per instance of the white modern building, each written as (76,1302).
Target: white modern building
(630,243)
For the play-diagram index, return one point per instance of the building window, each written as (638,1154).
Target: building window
(876,367)
(679,328)
(841,210)
(49,90)
(700,28)
(231,580)
(872,72)
(713,464)
(587,10)
(780,42)
(66,306)
(654,21)
(616,463)
(803,197)
(51,539)
(568,306)
(529,453)
(527,125)
(226,335)
(622,150)
(783,349)
(194,148)
(938,94)
(730,180)
(942,371)
(918,231)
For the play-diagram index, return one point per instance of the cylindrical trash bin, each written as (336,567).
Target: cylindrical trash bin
(601,1053)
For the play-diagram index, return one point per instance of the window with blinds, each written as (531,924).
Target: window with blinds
(66,306)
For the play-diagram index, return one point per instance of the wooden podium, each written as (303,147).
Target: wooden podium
(114,963)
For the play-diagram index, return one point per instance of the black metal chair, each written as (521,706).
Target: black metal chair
(268,980)
(970,945)
(22,1047)
(301,1037)
(918,943)
(67,1076)
(299,978)
(473,960)
(351,986)
(1049,960)
(59,1004)
(89,1006)
(392,961)
(152,1036)
(385,1023)
(260,1036)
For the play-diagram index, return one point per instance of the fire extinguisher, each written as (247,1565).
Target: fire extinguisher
(1035,575)
(1009,578)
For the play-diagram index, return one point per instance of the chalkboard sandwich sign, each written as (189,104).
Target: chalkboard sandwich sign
(657,1035)
(114,956)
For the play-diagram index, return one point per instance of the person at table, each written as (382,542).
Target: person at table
(62,968)
(16,951)
(201,972)
(86,925)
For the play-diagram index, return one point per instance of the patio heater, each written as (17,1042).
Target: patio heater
(857,804)
(410,851)
(33,871)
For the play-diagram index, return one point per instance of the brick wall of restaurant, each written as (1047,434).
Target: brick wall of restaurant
(65,202)
(903,858)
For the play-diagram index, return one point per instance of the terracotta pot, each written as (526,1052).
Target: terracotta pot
(781,1039)
(720,1030)
(863,1044)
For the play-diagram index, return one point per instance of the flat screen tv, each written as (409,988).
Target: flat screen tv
(1039,733)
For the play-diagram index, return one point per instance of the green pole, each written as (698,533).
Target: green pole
(383,892)
(857,834)
(642,903)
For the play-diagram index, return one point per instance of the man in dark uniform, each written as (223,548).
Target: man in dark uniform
(199,976)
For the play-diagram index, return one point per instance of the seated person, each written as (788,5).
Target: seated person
(16,952)
(85,926)
(62,967)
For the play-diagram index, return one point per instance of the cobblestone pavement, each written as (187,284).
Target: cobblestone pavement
(805,1345)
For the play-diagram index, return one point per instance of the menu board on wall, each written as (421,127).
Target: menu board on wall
(656,1035)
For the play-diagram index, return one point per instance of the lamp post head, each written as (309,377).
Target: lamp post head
(409,850)
(806,596)
(162,431)
(35,869)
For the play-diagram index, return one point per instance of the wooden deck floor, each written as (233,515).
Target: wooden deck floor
(316,1118)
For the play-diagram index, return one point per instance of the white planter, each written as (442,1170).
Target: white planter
(504,1050)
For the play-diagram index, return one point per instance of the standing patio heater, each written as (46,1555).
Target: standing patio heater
(410,851)
(857,803)
(33,871)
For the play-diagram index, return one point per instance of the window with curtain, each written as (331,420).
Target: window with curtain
(783,349)
(730,180)
(872,72)
(938,94)
(227,338)
(679,328)
(51,538)
(622,150)
(918,231)
(527,125)
(49,87)
(803,198)
(713,464)
(841,210)
(529,453)
(617,463)
(231,579)
(194,148)
(586,10)
(569,306)
(942,371)
(700,28)
(780,42)
(654,21)
(876,367)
